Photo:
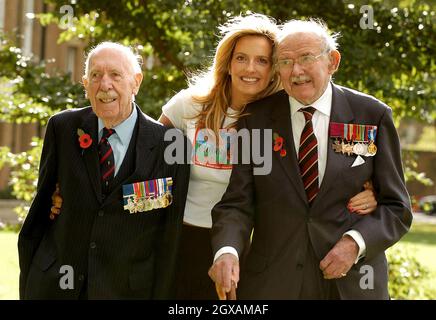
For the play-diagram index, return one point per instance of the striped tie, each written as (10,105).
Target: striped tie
(308,156)
(106,156)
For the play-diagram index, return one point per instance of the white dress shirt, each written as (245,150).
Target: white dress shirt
(120,140)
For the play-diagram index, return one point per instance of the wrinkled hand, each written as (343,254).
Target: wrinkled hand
(364,202)
(340,258)
(225,273)
(56,201)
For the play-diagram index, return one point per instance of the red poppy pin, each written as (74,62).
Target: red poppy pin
(278,145)
(84,139)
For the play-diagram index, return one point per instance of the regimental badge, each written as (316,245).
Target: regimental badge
(353,139)
(147,195)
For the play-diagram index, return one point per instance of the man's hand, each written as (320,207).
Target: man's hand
(340,258)
(225,273)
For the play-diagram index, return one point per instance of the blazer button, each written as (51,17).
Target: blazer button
(81,277)
(100,213)
(300,265)
(93,245)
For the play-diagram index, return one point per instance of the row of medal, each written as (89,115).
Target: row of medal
(352,139)
(148,195)
(361,148)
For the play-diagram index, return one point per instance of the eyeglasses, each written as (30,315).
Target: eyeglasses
(303,61)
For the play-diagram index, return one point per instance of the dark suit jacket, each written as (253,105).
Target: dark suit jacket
(116,254)
(284,225)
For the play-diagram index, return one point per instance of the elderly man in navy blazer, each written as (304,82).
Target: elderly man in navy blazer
(327,141)
(123,204)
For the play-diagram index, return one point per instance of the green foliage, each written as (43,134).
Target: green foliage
(24,173)
(410,166)
(395,61)
(27,92)
(406,276)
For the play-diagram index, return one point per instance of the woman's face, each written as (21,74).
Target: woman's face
(250,68)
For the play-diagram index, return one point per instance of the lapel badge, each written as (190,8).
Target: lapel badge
(278,144)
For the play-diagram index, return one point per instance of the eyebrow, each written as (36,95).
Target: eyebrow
(258,56)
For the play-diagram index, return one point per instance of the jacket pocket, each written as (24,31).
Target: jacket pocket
(45,256)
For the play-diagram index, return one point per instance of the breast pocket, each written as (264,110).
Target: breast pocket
(358,175)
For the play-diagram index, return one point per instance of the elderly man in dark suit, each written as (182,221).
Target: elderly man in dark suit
(117,234)
(328,140)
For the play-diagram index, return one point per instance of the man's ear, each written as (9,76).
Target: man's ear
(335,59)
(138,80)
(85,85)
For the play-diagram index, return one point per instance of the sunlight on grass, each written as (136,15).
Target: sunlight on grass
(9,270)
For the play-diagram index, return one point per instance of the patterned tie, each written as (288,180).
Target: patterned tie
(308,156)
(106,156)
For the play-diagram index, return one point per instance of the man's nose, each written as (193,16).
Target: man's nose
(297,69)
(106,82)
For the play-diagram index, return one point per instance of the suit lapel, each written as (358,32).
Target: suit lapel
(341,112)
(281,124)
(90,155)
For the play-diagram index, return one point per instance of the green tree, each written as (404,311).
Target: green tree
(393,59)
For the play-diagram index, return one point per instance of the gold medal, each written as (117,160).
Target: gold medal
(337,146)
(372,148)
(164,201)
(147,205)
(141,205)
(170,197)
(347,149)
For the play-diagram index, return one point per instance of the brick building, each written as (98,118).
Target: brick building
(17,21)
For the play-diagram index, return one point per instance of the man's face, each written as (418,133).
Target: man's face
(110,85)
(306,83)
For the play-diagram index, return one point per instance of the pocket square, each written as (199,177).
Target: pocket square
(358,162)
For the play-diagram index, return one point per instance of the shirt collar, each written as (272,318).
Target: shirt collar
(323,104)
(124,130)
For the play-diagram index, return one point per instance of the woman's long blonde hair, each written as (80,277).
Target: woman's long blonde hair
(212,88)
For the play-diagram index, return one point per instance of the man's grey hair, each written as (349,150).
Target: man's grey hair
(133,59)
(315,26)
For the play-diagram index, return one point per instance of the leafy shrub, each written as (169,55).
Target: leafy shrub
(407,275)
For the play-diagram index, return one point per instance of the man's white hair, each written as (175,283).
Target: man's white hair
(133,59)
(315,26)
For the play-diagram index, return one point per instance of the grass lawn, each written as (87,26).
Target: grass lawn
(9,270)
(421,241)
